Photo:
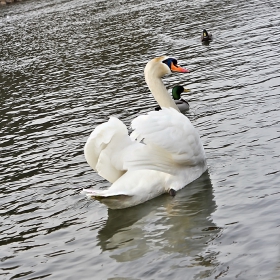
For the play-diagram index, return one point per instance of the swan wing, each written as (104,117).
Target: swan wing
(170,139)
(104,149)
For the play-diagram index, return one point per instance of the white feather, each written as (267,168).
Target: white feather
(163,152)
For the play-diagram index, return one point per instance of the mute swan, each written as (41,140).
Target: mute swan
(206,37)
(182,104)
(162,155)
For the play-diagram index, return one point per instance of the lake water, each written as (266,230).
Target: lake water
(66,66)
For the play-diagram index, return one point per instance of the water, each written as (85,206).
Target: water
(66,66)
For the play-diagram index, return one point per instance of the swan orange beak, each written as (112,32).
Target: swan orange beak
(177,68)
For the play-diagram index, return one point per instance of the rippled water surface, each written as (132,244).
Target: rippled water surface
(66,66)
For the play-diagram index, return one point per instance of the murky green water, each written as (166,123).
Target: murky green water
(66,66)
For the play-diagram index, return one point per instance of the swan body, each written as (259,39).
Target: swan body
(163,153)
(181,103)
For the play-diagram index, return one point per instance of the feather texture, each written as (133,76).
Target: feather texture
(163,152)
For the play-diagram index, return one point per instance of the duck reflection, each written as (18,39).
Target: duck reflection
(179,225)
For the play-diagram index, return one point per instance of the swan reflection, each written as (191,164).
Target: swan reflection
(181,225)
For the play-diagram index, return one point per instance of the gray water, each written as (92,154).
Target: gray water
(66,66)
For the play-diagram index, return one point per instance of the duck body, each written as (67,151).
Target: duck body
(182,104)
(163,153)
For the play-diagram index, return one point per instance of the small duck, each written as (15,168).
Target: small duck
(182,104)
(206,37)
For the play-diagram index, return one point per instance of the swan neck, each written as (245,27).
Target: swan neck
(159,92)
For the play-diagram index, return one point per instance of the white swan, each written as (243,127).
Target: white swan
(163,154)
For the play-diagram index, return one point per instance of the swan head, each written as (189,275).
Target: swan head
(177,90)
(163,65)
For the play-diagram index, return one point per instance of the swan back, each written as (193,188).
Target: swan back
(171,141)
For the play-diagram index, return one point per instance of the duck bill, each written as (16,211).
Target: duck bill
(186,90)
(177,68)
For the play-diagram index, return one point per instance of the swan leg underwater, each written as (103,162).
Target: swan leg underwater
(163,154)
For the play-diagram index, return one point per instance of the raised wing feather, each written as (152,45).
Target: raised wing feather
(173,133)
(103,149)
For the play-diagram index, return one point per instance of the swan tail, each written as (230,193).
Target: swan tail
(113,201)
(101,194)
(133,188)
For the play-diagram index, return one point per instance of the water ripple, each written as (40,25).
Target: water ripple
(67,66)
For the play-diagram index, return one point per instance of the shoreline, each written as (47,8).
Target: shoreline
(5,2)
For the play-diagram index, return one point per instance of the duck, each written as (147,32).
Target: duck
(182,104)
(206,37)
(162,155)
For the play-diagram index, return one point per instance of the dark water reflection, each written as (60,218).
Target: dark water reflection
(66,66)
(177,227)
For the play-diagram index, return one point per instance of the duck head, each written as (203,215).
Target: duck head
(205,34)
(206,37)
(177,90)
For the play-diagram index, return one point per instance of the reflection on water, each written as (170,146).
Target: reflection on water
(66,66)
(179,226)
